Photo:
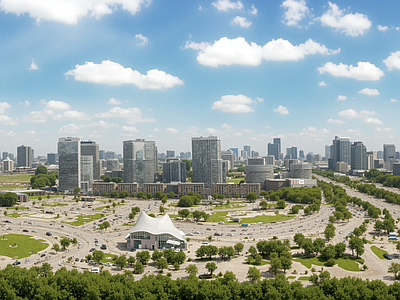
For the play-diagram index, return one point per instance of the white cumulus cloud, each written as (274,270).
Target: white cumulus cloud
(113,101)
(383,129)
(227,51)
(382,28)
(394,100)
(33,65)
(226,5)
(226,126)
(243,22)
(71,115)
(363,71)
(68,12)
(253,10)
(234,104)
(27,103)
(281,110)
(56,105)
(341,98)
(129,129)
(213,131)
(112,73)
(370,92)
(69,129)
(393,61)
(133,115)
(351,24)
(3,107)
(31,133)
(295,11)
(6,120)
(322,83)
(102,124)
(352,114)
(38,117)
(372,121)
(171,130)
(143,40)
(332,121)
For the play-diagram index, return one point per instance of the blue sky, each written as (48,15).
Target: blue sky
(247,71)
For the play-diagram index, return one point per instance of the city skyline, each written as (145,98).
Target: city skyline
(245,71)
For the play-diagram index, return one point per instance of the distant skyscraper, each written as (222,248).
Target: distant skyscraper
(86,173)
(52,158)
(291,153)
(235,151)
(371,157)
(301,154)
(229,156)
(8,165)
(69,164)
(109,154)
(5,155)
(140,161)
(278,141)
(389,152)
(340,151)
(359,156)
(379,154)
(327,152)
(255,153)
(24,156)
(170,153)
(273,149)
(174,170)
(207,160)
(244,154)
(102,154)
(248,150)
(270,160)
(90,148)
(33,154)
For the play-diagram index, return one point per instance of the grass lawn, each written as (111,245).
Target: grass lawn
(378,252)
(102,207)
(266,219)
(263,262)
(17,208)
(17,178)
(12,186)
(13,215)
(229,206)
(44,197)
(25,245)
(348,263)
(108,257)
(82,219)
(218,216)
(235,180)
(290,277)
(304,278)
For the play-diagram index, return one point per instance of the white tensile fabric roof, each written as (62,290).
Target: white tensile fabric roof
(156,226)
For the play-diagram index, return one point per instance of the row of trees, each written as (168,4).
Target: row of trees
(39,282)
(197,215)
(42,179)
(189,200)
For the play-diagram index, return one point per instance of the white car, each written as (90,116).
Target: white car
(222,223)
(108,264)
(189,234)
(205,244)
(196,232)
(95,270)
(79,243)
(34,230)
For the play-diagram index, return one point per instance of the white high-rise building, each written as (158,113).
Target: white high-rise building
(8,165)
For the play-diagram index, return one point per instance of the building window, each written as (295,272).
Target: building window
(140,235)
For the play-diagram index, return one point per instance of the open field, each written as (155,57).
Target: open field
(378,252)
(235,180)
(54,204)
(43,197)
(348,263)
(17,208)
(15,178)
(12,186)
(83,219)
(266,219)
(26,245)
(304,278)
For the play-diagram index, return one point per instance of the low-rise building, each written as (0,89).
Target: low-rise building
(101,187)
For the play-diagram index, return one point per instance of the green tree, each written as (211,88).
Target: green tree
(161,264)
(41,170)
(124,194)
(253,274)
(156,255)
(395,269)
(183,213)
(197,215)
(252,197)
(280,204)
(258,259)
(143,257)
(329,232)
(98,255)
(177,266)
(357,244)
(253,251)
(121,261)
(77,190)
(319,244)
(138,268)
(295,209)
(276,264)
(65,242)
(192,270)
(74,241)
(171,194)
(45,270)
(131,260)
(263,204)
(238,247)
(211,267)
(114,194)
(286,260)
(56,247)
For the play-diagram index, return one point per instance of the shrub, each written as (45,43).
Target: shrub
(330,262)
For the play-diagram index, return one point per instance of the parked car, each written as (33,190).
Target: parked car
(34,230)
(103,247)
(42,255)
(108,264)
(77,259)
(25,230)
(82,260)
(16,263)
(387,256)
(205,244)
(49,233)
(95,270)
(92,249)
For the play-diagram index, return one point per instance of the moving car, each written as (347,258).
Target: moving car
(15,263)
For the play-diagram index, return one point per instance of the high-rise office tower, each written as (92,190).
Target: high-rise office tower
(278,141)
(273,149)
(52,158)
(379,154)
(389,152)
(140,161)
(102,154)
(112,164)
(33,154)
(371,157)
(327,152)
(174,170)
(24,156)
(109,154)
(69,164)
(204,151)
(340,152)
(291,153)
(90,148)
(86,173)
(359,159)
(170,153)
(5,155)
(229,156)
(270,160)
(8,165)
(244,154)
(248,150)
(301,154)
(235,151)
